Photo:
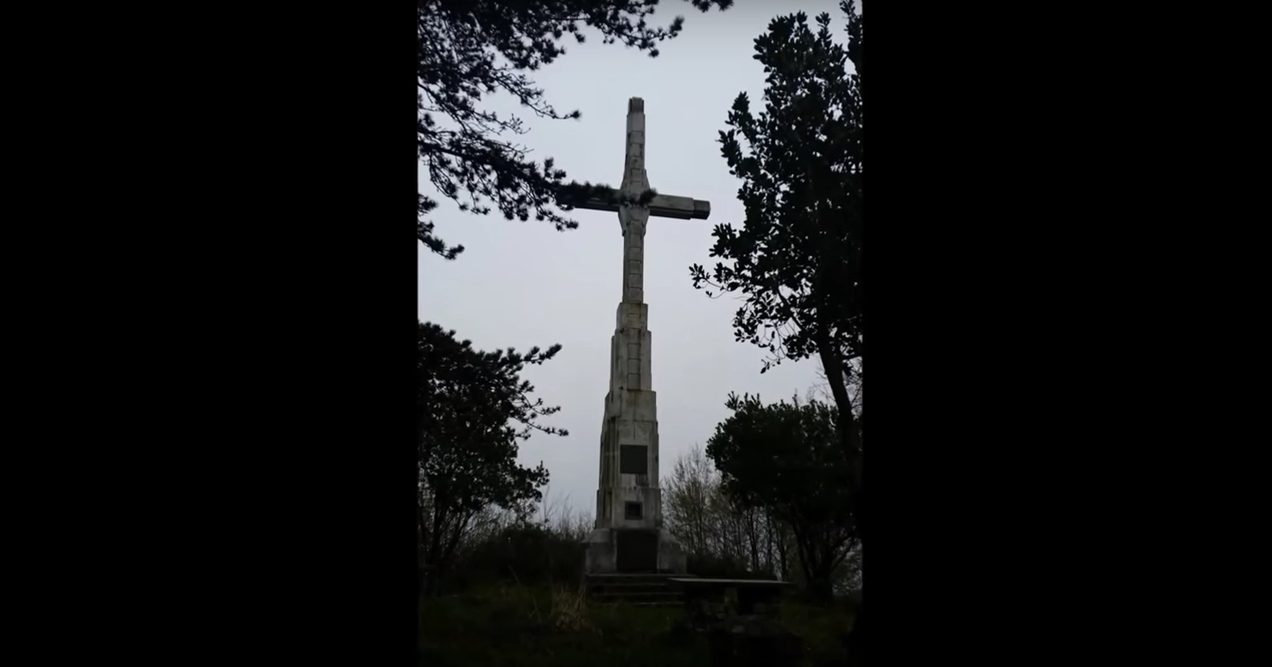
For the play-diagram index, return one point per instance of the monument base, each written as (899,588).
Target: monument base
(633,551)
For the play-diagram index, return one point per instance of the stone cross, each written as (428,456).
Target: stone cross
(632,219)
(629,535)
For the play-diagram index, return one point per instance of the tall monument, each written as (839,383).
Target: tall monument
(629,535)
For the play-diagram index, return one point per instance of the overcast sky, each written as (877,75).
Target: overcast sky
(525,284)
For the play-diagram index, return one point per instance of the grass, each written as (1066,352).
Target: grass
(532,626)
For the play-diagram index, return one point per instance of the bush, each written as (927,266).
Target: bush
(526,553)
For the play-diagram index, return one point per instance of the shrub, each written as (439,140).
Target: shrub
(525,553)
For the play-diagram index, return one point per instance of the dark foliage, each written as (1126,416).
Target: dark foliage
(754,642)
(468,49)
(526,554)
(472,409)
(787,458)
(797,258)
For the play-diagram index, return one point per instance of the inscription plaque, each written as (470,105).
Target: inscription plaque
(631,511)
(633,460)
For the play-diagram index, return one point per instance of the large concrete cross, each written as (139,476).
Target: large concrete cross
(632,219)
(629,535)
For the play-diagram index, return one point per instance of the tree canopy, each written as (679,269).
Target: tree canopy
(796,260)
(468,49)
(797,257)
(472,408)
(787,458)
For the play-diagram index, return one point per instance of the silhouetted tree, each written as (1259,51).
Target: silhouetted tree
(471,48)
(720,534)
(787,458)
(797,258)
(472,409)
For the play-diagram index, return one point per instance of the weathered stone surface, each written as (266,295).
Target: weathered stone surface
(602,551)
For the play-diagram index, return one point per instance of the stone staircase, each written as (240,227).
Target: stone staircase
(640,590)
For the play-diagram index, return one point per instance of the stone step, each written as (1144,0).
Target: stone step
(660,579)
(626,584)
(630,588)
(639,595)
(634,594)
(643,590)
(640,600)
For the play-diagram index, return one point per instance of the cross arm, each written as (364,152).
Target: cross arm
(663,206)
(685,208)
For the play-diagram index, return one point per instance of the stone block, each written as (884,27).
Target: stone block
(601,555)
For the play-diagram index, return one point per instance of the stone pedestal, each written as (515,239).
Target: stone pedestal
(628,551)
(629,536)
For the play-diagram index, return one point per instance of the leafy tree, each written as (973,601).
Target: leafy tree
(472,408)
(787,458)
(797,258)
(722,538)
(470,48)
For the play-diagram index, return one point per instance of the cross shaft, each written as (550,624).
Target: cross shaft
(632,218)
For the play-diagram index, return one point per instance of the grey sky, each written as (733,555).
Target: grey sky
(525,284)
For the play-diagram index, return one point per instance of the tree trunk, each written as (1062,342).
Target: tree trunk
(833,366)
(783,549)
(421,535)
(432,555)
(770,565)
(855,648)
(753,538)
(821,590)
(431,581)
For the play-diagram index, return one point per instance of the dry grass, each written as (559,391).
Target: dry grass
(571,611)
